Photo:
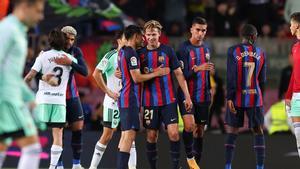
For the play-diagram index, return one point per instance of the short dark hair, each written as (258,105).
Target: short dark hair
(119,34)
(296,17)
(131,30)
(248,30)
(199,20)
(57,39)
(29,2)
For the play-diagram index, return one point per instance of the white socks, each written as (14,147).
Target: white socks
(55,154)
(30,158)
(297,135)
(132,157)
(2,158)
(97,156)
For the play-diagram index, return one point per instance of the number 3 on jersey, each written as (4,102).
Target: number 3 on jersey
(58,73)
(250,66)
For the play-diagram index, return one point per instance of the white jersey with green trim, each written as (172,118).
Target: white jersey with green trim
(108,65)
(45,64)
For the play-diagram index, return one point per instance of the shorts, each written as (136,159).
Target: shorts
(111,117)
(74,110)
(155,115)
(295,108)
(53,115)
(129,118)
(15,121)
(254,114)
(199,110)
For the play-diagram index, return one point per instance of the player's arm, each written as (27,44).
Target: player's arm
(32,73)
(231,80)
(184,63)
(175,66)
(262,75)
(138,77)
(289,92)
(97,74)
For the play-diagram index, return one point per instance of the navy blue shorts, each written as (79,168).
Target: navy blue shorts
(129,118)
(155,115)
(182,109)
(74,110)
(255,117)
(201,111)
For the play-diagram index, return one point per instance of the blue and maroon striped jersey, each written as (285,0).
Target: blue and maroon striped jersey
(130,92)
(198,83)
(158,91)
(246,71)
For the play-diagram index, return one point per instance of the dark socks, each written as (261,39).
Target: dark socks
(152,155)
(188,143)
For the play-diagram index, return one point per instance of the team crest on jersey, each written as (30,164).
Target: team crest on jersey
(146,70)
(181,64)
(104,62)
(161,59)
(133,61)
(207,57)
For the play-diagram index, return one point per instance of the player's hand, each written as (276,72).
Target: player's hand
(113,95)
(188,104)
(50,79)
(231,106)
(288,102)
(118,73)
(203,67)
(63,61)
(161,70)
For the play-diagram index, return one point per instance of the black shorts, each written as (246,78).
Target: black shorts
(129,118)
(201,111)
(154,116)
(74,110)
(254,114)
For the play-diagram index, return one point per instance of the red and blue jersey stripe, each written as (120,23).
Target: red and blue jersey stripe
(198,83)
(158,91)
(130,92)
(246,69)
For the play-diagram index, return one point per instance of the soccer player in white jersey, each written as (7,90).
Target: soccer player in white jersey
(52,99)
(111,116)
(15,120)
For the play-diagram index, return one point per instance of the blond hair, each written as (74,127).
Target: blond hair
(152,24)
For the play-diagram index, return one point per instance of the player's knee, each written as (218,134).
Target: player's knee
(258,130)
(189,127)
(173,135)
(152,137)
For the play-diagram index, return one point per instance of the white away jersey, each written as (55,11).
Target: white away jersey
(108,65)
(45,64)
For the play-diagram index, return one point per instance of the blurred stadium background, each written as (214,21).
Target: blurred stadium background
(96,29)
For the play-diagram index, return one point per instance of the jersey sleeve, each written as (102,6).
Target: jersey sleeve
(105,64)
(174,63)
(132,60)
(231,75)
(27,94)
(37,66)
(80,66)
(4,47)
(184,62)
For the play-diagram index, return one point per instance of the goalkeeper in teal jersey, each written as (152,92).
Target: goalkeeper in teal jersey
(111,116)
(15,96)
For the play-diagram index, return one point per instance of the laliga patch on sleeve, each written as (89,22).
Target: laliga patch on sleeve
(133,61)
(104,63)
(181,64)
